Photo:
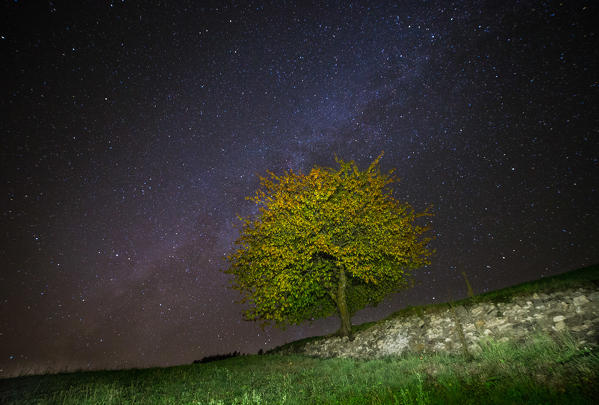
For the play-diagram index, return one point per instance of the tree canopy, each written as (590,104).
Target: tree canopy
(331,241)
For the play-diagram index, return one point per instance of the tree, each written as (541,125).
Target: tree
(329,241)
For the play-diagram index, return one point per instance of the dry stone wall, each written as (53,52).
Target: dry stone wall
(575,310)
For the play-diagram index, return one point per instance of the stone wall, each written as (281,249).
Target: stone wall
(575,310)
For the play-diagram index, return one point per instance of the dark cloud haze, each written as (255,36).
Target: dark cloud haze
(132,131)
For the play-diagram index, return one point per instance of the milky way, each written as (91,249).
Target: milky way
(132,131)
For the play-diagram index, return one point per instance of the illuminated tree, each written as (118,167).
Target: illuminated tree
(330,241)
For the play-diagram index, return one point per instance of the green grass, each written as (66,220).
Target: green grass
(542,371)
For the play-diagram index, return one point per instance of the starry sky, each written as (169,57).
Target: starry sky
(132,131)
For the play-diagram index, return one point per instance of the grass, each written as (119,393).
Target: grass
(545,370)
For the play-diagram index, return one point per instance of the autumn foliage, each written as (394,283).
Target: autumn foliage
(331,241)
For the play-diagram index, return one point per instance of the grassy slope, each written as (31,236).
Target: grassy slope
(543,371)
(566,280)
(540,372)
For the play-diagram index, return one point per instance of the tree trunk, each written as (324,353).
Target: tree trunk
(345,329)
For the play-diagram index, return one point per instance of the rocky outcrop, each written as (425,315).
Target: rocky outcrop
(447,329)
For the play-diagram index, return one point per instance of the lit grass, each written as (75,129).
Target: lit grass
(545,370)
(542,371)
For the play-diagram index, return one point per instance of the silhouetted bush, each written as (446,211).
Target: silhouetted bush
(218,357)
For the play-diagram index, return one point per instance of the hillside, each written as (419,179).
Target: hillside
(567,303)
(538,370)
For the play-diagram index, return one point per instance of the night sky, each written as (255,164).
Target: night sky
(133,131)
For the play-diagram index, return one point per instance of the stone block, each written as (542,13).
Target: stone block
(477,311)
(580,300)
(561,325)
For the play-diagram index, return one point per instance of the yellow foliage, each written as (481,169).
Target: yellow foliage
(311,226)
